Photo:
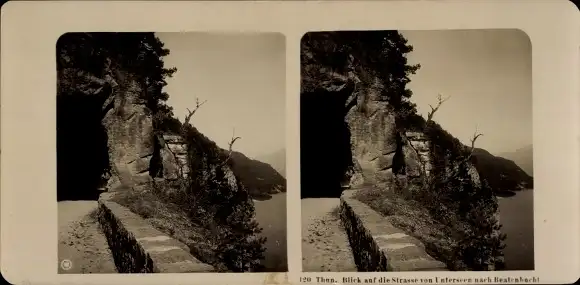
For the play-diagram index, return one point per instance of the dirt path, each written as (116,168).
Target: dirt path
(325,245)
(81,241)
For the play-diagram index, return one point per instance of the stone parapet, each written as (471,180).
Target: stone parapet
(137,247)
(379,246)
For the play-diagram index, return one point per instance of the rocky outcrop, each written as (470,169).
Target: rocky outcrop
(129,128)
(372,129)
(133,144)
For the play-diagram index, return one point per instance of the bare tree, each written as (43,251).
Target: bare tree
(440,101)
(473,139)
(190,113)
(230,144)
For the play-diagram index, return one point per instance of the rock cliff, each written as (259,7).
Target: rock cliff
(129,129)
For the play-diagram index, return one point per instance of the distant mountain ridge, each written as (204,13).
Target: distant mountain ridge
(523,157)
(260,178)
(277,160)
(502,174)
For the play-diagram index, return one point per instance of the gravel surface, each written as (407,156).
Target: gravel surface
(82,247)
(325,246)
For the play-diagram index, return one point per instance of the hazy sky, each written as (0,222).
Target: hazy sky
(486,73)
(488,76)
(242,77)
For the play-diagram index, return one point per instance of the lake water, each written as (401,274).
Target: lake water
(271,215)
(517,217)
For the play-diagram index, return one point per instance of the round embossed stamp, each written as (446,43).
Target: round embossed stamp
(66,264)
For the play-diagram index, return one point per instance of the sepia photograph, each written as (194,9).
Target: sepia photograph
(416,151)
(369,142)
(171,152)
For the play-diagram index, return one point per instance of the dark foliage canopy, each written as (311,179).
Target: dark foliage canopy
(99,59)
(379,53)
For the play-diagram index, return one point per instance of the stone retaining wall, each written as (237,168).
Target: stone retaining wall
(137,247)
(177,148)
(416,150)
(377,245)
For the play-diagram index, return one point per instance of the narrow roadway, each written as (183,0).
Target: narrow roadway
(325,246)
(81,241)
